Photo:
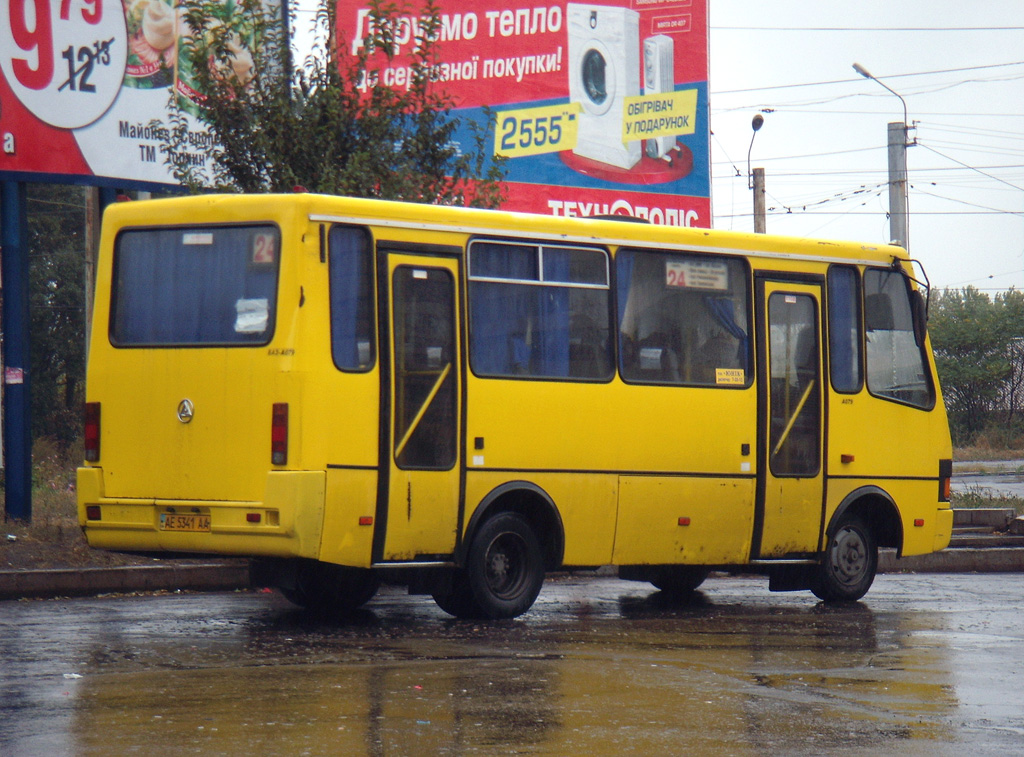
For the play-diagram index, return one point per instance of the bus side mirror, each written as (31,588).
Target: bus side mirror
(919,312)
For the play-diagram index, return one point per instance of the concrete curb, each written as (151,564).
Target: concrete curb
(956,560)
(23,584)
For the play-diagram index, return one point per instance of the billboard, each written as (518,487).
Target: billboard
(600,108)
(86,84)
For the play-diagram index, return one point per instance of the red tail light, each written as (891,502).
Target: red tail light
(279,434)
(945,476)
(92,431)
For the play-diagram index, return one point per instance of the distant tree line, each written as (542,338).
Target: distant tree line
(978,342)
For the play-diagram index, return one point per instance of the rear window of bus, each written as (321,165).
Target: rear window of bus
(195,286)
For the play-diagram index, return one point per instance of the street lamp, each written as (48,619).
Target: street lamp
(899,224)
(756,123)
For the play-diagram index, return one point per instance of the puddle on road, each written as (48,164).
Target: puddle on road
(616,675)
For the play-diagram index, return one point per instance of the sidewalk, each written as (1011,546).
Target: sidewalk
(212,576)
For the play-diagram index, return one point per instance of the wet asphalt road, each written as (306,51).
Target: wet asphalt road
(924,665)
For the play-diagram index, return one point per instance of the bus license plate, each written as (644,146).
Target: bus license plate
(176,522)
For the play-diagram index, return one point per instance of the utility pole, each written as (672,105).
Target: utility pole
(759,219)
(899,227)
(92,243)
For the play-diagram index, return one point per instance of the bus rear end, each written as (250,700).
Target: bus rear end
(191,392)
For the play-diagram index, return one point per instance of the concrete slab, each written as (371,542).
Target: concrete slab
(996,517)
(17,584)
(959,560)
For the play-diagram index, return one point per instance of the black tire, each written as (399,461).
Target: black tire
(679,580)
(504,567)
(849,564)
(331,589)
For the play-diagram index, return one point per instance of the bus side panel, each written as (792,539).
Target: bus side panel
(917,501)
(545,425)
(585,503)
(351,496)
(885,438)
(340,434)
(696,521)
(890,445)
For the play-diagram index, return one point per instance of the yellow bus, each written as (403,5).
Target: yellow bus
(355,391)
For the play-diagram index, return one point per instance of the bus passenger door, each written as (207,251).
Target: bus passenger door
(790,485)
(417,518)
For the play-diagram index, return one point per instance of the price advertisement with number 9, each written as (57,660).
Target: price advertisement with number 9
(64,59)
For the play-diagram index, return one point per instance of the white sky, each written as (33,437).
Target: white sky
(823,145)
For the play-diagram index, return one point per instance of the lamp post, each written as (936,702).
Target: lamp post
(755,179)
(899,222)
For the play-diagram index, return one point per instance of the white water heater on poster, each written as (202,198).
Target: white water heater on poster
(604,69)
(659,79)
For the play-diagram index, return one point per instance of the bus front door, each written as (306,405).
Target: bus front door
(420,507)
(789,510)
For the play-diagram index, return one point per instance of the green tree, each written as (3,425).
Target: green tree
(331,124)
(972,337)
(57,309)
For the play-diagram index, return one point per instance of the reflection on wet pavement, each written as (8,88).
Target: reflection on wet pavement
(599,667)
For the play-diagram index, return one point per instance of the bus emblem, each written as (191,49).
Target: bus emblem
(185,411)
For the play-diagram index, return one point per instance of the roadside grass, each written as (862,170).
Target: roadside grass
(53,535)
(54,506)
(985,452)
(976,497)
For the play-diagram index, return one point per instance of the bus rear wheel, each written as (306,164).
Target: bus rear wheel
(331,589)
(850,562)
(504,567)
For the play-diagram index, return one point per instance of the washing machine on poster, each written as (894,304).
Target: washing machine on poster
(604,69)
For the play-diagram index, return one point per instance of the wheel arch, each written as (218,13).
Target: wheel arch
(878,510)
(531,502)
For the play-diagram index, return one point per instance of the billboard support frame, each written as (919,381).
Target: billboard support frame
(17,426)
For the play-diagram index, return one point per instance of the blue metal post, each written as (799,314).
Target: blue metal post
(17,429)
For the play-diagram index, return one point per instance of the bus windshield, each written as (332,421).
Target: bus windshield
(194,286)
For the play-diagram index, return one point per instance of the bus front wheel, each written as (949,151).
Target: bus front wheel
(504,566)
(850,562)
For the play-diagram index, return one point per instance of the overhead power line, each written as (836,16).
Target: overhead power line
(858,79)
(866,28)
(972,168)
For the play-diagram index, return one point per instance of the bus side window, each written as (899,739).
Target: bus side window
(844,334)
(539,311)
(682,319)
(896,365)
(352,304)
